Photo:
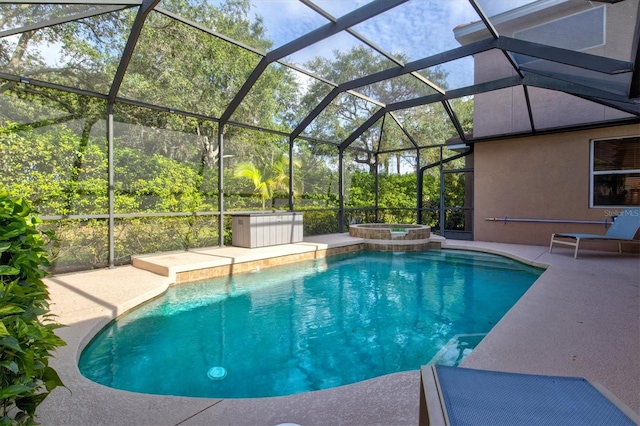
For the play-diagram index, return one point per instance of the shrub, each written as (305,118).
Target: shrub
(26,328)
(320,222)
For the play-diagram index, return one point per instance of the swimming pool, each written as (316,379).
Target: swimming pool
(308,326)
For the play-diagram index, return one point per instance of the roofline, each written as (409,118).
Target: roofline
(528,9)
(555,130)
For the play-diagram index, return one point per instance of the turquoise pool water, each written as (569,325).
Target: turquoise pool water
(308,326)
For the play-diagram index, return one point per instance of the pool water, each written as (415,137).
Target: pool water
(308,326)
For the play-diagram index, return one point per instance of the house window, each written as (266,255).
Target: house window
(615,172)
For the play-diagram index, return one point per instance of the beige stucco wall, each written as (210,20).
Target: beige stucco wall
(540,177)
(505,111)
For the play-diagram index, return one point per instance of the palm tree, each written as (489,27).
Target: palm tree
(275,178)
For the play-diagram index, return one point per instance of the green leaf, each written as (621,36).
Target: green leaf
(12,233)
(11,342)
(8,270)
(14,390)
(27,362)
(10,310)
(53,340)
(11,366)
(51,379)
(31,402)
(26,341)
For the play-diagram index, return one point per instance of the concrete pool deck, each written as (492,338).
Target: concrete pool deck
(580,318)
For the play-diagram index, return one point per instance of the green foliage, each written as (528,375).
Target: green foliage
(397,198)
(361,190)
(250,172)
(39,165)
(156,183)
(27,335)
(77,242)
(270,179)
(157,234)
(395,191)
(53,145)
(320,222)
(347,112)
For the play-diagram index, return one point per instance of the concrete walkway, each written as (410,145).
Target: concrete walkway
(580,318)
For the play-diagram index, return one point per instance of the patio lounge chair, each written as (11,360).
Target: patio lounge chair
(464,396)
(622,230)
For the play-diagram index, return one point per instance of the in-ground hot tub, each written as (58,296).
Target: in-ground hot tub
(394,237)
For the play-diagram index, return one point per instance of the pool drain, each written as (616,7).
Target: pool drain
(217,373)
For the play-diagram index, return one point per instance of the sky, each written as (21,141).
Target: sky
(418,28)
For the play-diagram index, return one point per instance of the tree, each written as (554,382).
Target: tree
(318,174)
(173,65)
(273,178)
(53,147)
(348,111)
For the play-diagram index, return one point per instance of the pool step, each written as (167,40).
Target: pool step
(457,349)
(478,259)
(214,262)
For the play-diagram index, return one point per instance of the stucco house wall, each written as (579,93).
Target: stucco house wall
(505,111)
(540,177)
(546,176)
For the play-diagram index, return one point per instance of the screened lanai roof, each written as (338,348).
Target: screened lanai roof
(392,60)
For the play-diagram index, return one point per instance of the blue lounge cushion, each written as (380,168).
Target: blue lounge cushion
(479,397)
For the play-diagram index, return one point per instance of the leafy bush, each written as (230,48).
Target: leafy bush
(26,328)
(320,222)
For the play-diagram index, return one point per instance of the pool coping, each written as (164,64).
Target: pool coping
(561,326)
